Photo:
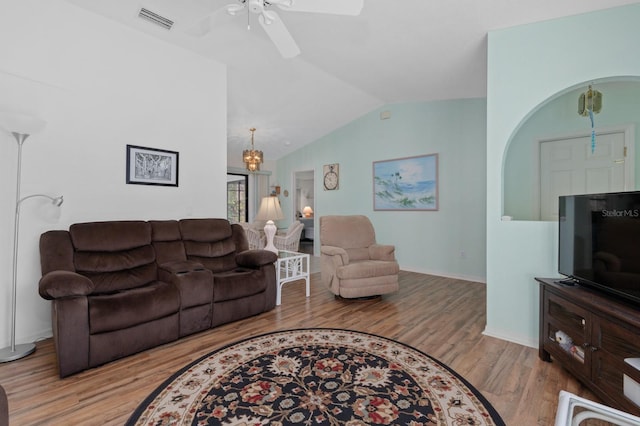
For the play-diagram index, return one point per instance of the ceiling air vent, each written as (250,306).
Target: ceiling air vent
(154,18)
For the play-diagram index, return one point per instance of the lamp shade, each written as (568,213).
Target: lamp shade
(307,211)
(270,209)
(20,123)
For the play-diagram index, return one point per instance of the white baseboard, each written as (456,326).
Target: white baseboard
(502,335)
(463,277)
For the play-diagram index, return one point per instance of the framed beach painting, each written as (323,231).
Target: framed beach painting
(409,183)
(151,166)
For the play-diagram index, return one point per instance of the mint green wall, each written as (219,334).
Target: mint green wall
(527,65)
(449,242)
(558,118)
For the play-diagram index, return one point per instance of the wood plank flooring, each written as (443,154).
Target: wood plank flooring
(440,316)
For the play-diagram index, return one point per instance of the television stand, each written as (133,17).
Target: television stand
(591,334)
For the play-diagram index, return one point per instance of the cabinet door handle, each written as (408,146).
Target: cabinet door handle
(594,348)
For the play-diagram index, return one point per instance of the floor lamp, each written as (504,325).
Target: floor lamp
(20,126)
(270,210)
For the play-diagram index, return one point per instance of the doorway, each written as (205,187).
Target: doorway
(304,208)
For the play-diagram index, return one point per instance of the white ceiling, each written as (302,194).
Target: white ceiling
(394,51)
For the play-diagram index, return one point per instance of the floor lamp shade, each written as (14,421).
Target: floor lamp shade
(270,210)
(21,123)
(20,126)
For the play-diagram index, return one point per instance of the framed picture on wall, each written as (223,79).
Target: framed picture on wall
(409,183)
(151,166)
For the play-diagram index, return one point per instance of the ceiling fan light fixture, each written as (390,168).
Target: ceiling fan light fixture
(269,17)
(233,9)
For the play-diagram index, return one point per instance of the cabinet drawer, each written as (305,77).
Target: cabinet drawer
(567,317)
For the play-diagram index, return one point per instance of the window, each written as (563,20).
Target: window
(237,196)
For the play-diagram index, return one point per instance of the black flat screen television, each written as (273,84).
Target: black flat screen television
(599,242)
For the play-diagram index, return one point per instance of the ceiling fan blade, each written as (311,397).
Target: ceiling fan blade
(279,35)
(336,7)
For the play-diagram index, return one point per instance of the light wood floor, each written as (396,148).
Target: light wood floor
(439,316)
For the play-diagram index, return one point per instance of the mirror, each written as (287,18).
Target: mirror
(551,153)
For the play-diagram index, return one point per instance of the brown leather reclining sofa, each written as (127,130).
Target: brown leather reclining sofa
(121,287)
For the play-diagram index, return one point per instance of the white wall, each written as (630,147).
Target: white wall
(99,86)
(527,65)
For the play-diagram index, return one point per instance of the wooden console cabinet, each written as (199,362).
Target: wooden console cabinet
(602,332)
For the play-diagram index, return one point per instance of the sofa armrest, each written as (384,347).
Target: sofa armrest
(255,258)
(59,284)
(342,256)
(382,252)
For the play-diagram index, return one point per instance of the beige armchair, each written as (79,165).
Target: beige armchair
(291,239)
(353,265)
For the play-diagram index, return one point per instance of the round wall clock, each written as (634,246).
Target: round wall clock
(331,177)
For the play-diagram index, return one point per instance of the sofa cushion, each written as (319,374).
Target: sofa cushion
(132,307)
(238,283)
(110,236)
(210,242)
(167,241)
(112,272)
(114,255)
(205,230)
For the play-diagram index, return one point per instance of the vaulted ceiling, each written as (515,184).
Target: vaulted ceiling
(394,51)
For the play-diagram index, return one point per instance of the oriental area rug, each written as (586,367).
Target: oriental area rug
(313,377)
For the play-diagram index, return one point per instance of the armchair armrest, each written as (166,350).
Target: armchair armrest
(59,284)
(336,251)
(382,252)
(255,258)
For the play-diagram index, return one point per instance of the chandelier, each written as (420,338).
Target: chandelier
(252,157)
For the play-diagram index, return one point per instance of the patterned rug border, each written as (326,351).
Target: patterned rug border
(151,397)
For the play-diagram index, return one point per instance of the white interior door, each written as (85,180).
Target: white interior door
(567,166)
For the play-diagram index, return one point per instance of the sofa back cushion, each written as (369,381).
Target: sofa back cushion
(115,255)
(167,241)
(210,242)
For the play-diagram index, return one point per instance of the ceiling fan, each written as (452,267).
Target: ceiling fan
(271,22)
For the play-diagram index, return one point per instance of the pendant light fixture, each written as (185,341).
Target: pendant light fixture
(590,103)
(252,157)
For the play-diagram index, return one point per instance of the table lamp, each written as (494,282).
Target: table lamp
(270,210)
